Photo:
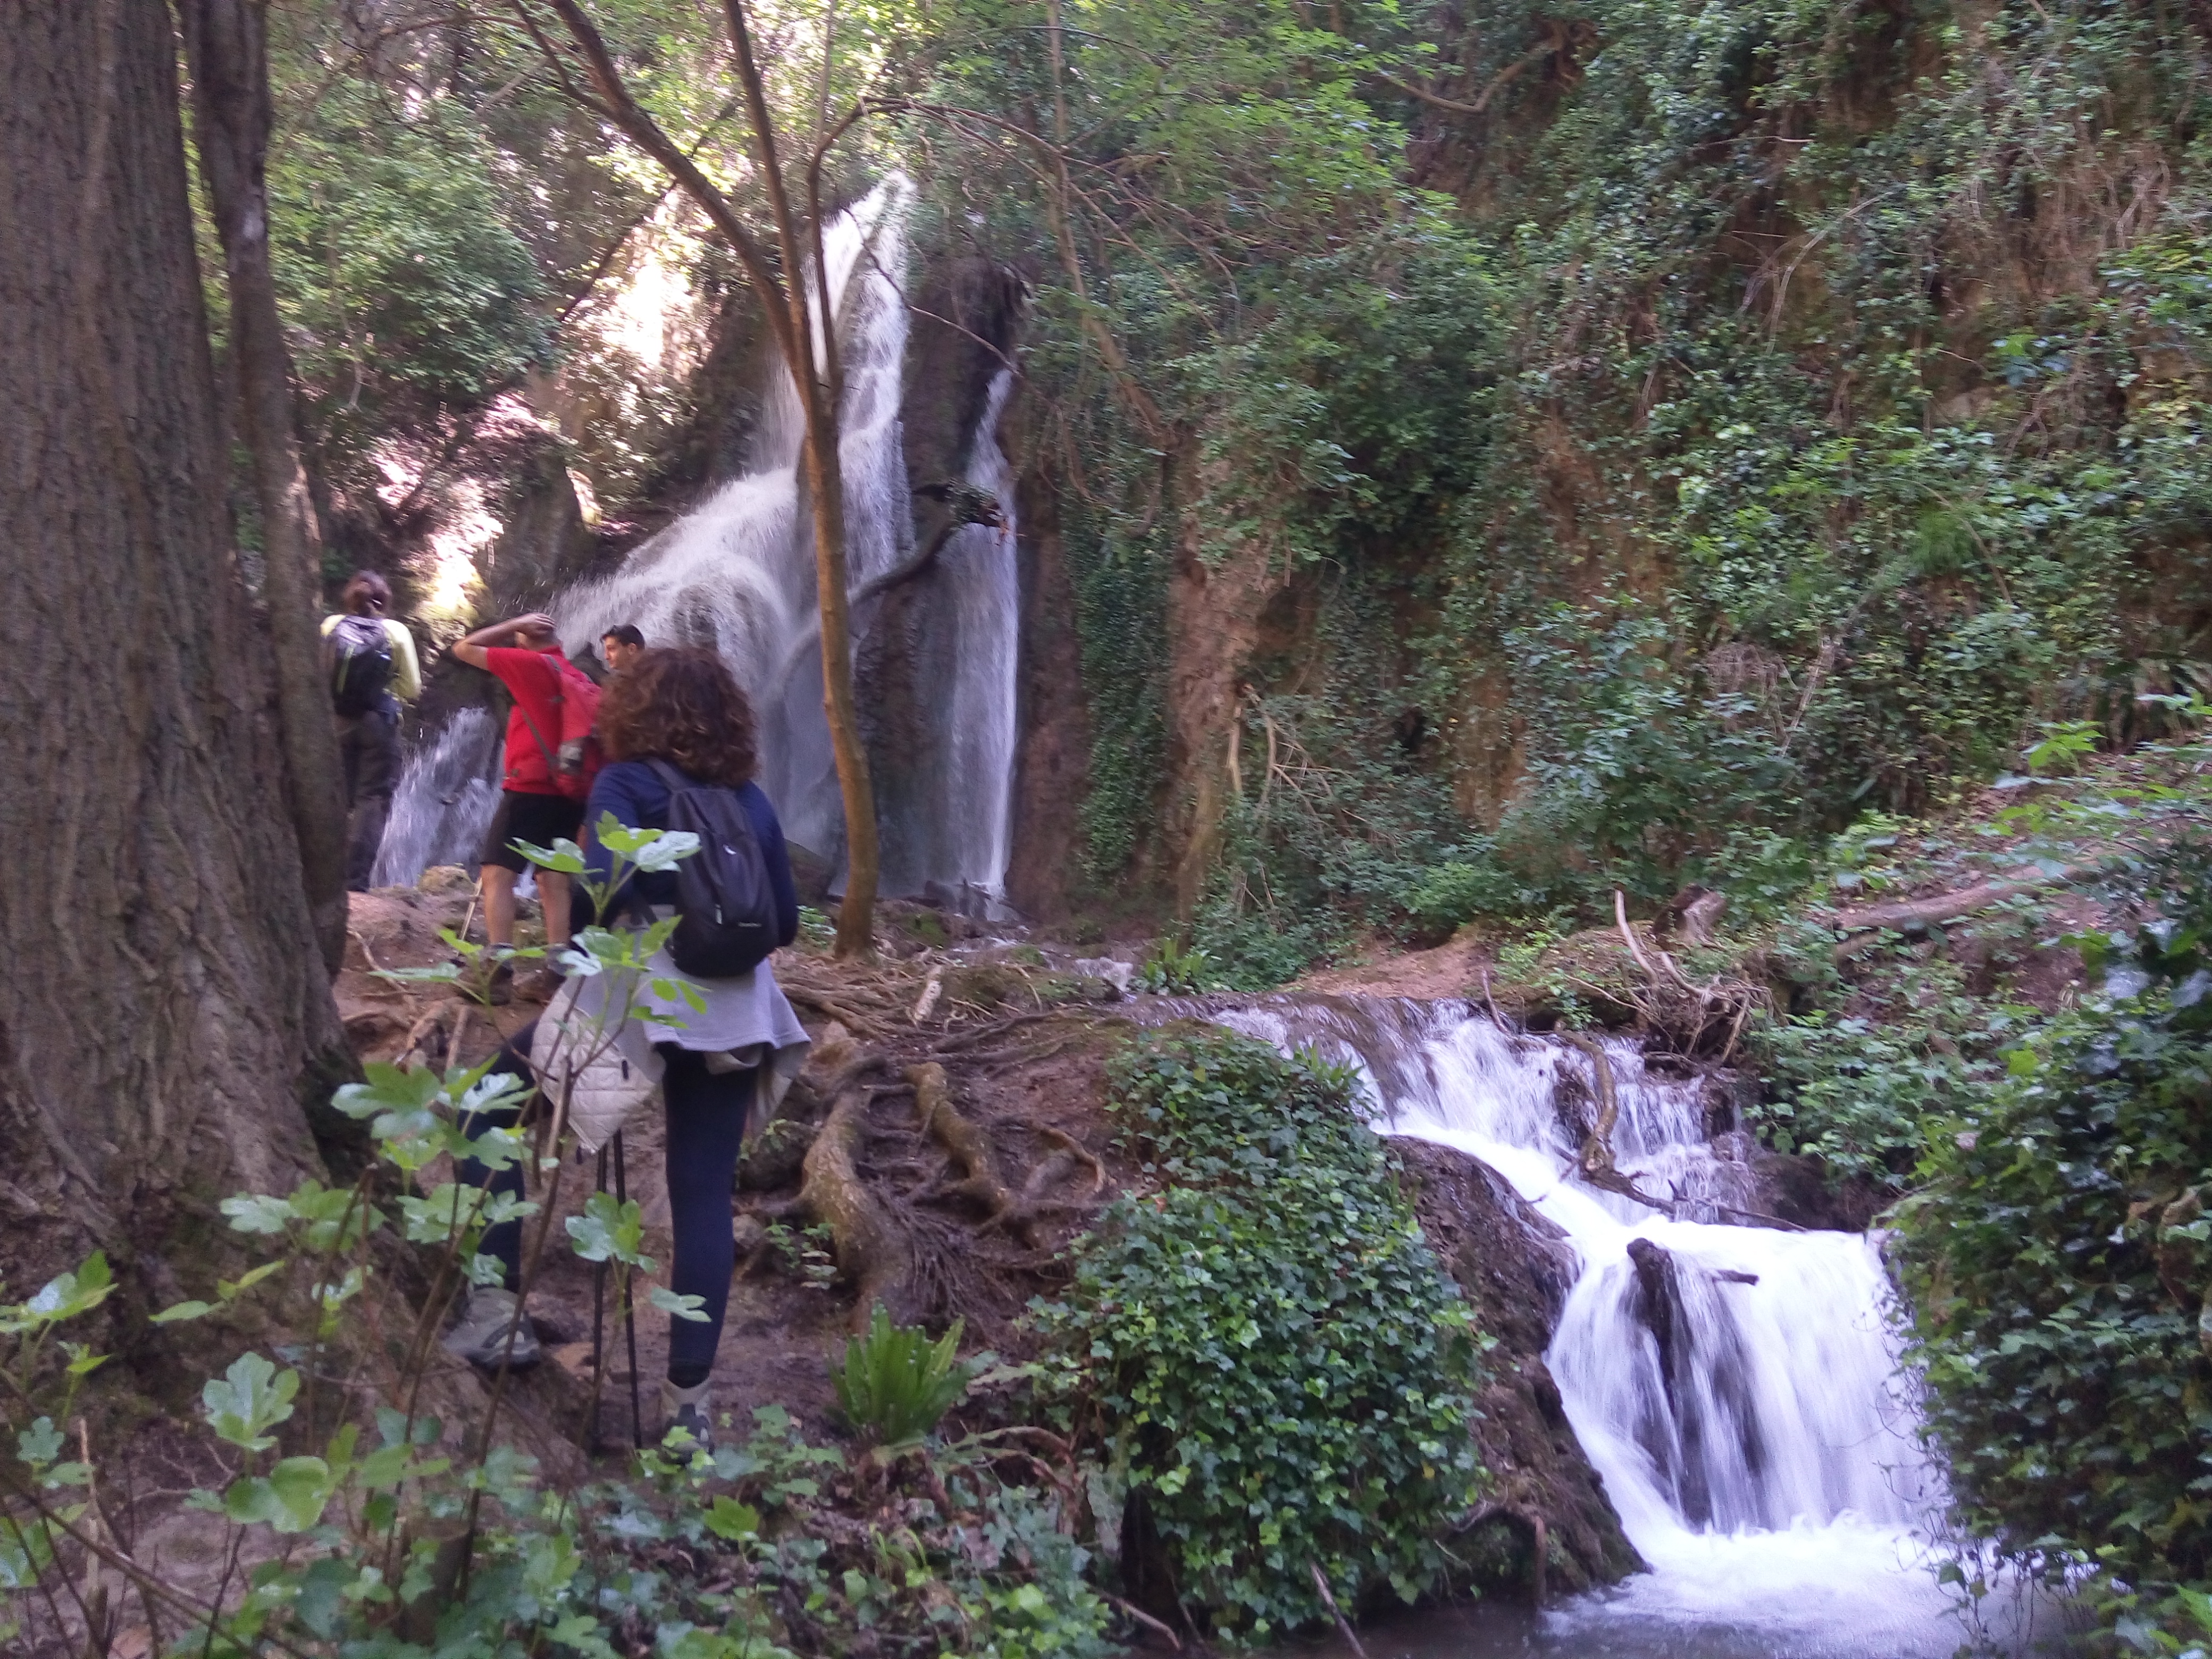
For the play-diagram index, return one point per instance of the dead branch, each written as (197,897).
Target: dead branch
(1597,1146)
(1143,1618)
(1328,1600)
(1941,907)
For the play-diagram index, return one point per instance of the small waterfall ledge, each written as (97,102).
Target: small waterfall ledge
(1735,1387)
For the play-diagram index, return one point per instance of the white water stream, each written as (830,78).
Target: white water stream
(1763,1460)
(738,573)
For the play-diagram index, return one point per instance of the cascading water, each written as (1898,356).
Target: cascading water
(444,804)
(1736,1386)
(959,837)
(738,573)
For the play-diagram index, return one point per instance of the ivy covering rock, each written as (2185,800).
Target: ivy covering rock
(1274,1367)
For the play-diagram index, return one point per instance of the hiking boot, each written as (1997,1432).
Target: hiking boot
(691,1410)
(481,1337)
(488,982)
(539,984)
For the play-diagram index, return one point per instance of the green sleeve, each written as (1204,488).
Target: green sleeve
(406,667)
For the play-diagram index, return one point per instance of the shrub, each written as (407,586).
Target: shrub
(896,1383)
(2057,1262)
(1277,1366)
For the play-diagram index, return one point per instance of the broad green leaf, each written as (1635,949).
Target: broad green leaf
(249,1399)
(40,1443)
(679,1307)
(728,1518)
(563,856)
(609,1230)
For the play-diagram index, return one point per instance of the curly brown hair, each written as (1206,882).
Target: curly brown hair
(680,703)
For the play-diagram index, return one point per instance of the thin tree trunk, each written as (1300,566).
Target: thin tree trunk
(818,394)
(783,297)
(164,1012)
(227,44)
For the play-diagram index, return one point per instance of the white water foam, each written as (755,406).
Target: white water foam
(1763,1459)
(738,572)
(443,805)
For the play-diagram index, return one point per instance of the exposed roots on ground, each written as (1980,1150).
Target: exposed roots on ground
(871,1250)
(934,1202)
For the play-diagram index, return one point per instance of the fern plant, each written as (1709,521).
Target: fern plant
(896,1384)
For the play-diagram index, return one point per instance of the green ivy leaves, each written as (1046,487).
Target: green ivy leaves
(1283,1370)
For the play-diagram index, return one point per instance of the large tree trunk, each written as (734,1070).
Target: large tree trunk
(226,43)
(163,1009)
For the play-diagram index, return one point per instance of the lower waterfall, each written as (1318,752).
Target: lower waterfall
(1735,1386)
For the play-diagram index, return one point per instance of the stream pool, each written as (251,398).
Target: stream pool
(1845,1590)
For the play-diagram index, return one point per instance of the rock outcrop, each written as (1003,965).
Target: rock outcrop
(1515,1268)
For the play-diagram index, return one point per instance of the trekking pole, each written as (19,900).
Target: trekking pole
(599,1327)
(630,1307)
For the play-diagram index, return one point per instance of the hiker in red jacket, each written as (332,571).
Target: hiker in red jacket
(547,777)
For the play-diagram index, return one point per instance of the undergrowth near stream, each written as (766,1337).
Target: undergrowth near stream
(1274,1367)
(1258,1380)
(2055,1257)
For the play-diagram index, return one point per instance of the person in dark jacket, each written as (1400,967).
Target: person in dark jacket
(682,707)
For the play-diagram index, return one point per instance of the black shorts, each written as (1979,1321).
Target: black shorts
(541,820)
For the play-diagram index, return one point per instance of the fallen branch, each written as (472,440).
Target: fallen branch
(1949,907)
(1328,1601)
(1143,1618)
(1597,1146)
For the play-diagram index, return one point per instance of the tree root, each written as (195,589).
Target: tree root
(969,1146)
(871,1247)
(832,1008)
(1539,1536)
(1076,1149)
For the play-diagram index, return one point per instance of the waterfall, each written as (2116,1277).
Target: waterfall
(970,625)
(738,573)
(1735,1386)
(445,801)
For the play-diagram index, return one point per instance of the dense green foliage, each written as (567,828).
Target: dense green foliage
(2057,1262)
(1755,413)
(410,297)
(1278,1371)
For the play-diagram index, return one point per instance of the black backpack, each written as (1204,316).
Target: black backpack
(357,660)
(724,902)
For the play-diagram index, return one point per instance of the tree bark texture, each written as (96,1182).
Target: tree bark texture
(164,1010)
(227,44)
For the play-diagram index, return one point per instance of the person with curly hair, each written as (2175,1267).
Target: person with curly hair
(681,706)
